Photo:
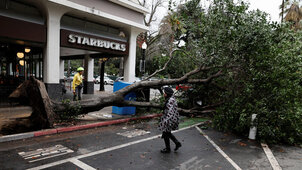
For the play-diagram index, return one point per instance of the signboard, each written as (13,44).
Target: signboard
(77,40)
(94,42)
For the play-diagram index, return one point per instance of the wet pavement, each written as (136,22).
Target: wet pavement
(136,145)
(85,145)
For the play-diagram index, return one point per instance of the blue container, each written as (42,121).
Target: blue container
(131,96)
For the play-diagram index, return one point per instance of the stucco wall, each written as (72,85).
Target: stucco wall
(113,9)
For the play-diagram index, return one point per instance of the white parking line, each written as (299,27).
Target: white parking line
(105,150)
(270,157)
(81,164)
(219,150)
(193,163)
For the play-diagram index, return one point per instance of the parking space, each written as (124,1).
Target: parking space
(137,145)
(143,153)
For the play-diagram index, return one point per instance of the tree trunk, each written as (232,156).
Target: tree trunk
(45,111)
(282,11)
(33,93)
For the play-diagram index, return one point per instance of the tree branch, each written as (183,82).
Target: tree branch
(162,82)
(195,81)
(165,66)
(139,104)
(193,111)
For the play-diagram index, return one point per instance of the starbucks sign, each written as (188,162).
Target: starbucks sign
(95,42)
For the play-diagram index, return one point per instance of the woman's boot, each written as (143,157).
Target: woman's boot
(177,143)
(167,143)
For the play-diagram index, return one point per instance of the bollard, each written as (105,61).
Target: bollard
(253,129)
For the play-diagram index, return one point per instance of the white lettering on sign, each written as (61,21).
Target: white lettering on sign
(72,38)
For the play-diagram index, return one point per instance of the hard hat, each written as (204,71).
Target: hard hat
(80,69)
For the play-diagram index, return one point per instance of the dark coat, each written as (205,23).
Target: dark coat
(170,118)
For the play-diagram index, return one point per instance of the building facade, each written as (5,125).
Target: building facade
(37,36)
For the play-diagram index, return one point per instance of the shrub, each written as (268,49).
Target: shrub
(71,111)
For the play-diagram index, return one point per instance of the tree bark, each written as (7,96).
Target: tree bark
(34,93)
(45,111)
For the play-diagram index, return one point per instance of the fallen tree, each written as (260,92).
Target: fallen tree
(46,111)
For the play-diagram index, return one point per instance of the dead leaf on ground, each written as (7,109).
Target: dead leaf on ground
(241,144)
(222,139)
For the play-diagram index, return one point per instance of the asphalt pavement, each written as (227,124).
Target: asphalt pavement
(128,146)
(136,145)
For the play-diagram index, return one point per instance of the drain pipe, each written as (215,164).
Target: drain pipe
(253,128)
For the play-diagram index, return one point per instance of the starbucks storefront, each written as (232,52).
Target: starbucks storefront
(89,41)
(22,42)
(36,37)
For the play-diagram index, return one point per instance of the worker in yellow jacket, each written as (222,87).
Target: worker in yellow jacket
(77,84)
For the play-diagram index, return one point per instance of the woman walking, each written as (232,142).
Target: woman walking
(169,121)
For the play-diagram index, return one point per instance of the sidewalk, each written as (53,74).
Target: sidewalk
(96,116)
(99,118)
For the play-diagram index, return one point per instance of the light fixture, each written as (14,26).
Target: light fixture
(122,34)
(20,54)
(27,50)
(21,62)
(144,45)
(101,60)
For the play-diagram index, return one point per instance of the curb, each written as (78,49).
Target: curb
(71,128)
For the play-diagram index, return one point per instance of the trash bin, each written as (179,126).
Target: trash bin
(131,96)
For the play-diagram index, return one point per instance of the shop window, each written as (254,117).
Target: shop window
(16,66)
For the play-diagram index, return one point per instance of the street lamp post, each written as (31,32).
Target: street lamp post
(142,61)
(102,72)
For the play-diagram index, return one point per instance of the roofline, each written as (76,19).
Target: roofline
(131,5)
(96,12)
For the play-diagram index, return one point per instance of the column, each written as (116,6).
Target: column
(61,69)
(37,69)
(51,65)
(88,75)
(129,61)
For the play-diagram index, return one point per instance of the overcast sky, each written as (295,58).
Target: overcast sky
(268,6)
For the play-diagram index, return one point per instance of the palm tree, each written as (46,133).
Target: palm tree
(294,15)
(284,8)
